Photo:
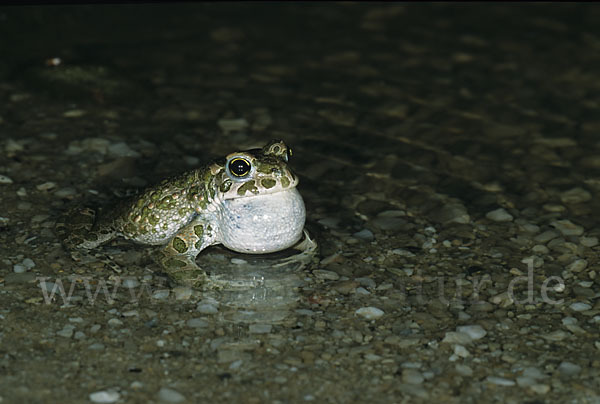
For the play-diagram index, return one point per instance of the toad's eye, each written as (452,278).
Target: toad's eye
(239,167)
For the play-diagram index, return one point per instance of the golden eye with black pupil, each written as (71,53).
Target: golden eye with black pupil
(239,167)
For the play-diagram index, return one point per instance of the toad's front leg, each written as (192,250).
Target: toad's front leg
(178,257)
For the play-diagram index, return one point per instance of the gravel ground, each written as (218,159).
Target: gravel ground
(449,161)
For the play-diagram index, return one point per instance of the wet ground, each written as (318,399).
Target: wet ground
(449,162)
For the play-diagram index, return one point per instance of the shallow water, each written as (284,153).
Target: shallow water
(448,160)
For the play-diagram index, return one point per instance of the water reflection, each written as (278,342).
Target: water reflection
(258,288)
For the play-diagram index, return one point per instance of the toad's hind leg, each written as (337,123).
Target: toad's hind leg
(178,257)
(78,230)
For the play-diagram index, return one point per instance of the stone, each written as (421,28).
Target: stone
(500,381)
(575,195)
(475,332)
(577,266)
(412,376)
(499,215)
(370,313)
(567,228)
(168,395)
(580,306)
(105,397)
(569,369)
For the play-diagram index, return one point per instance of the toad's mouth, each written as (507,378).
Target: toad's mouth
(266,186)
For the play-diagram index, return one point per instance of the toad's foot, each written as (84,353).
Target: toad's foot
(307,255)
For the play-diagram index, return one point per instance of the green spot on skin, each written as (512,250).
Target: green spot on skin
(199,231)
(174,263)
(179,245)
(268,183)
(285,182)
(247,186)
(225,186)
(198,245)
(153,219)
(265,168)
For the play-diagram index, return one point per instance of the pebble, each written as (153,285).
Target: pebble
(500,381)
(97,346)
(19,268)
(540,249)
(580,306)
(206,308)
(182,292)
(452,213)
(577,266)
(5,180)
(168,395)
(499,215)
(412,376)
(260,328)
(557,335)
(327,275)
(589,241)
(366,282)
(540,388)
(453,337)
(161,294)
(370,313)
(197,323)
(105,396)
(402,252)
(65,192)
(362,291)
(74,113)
(567,228)
(575,195)
(46,186)
(546,236)
(121,149)
(131,283)
(463,370)
(569,368)
(67,331)
(475,332)
(115,322)
(460,350)
(364,234)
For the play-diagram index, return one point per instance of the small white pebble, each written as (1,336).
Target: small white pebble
(28,263)
(370,313)
(19,268)
(170,396)
(105,396)
(161,294)
(580,306)
(46,186)
(499,215)
(182,292)
(500,381)
(473,331)
(5,180)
